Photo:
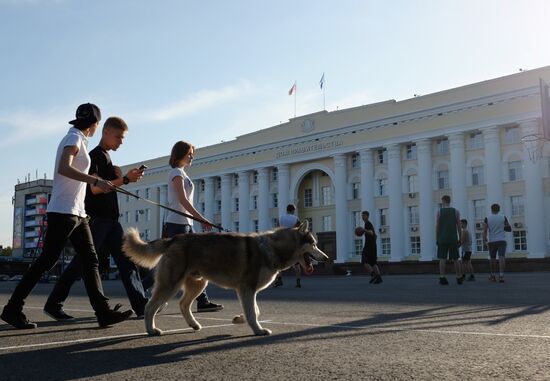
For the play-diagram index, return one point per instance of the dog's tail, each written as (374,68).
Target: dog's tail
(143,253)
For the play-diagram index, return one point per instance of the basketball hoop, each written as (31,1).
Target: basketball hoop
(534,144)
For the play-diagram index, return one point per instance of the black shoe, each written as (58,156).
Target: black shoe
(443,281)
(459,280)
(377,280)
(57,313)
(112,317)
(16,318)
(209,307)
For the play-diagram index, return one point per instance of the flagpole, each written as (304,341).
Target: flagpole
(324,107)
(295,91)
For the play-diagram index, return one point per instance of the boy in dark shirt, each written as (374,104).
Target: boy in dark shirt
(369,258)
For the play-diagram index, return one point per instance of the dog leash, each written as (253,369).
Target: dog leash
(124,191)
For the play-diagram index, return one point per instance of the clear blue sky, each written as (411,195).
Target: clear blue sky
(207,71)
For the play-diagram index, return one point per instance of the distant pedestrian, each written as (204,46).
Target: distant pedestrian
(448,234)
(369,257)
(289,220)
(494,227)
(466,245)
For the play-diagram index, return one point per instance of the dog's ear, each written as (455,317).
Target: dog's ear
(304,227)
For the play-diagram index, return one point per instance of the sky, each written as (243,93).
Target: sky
(209,71)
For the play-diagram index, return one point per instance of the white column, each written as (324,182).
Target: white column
(458,173)
(197,186)
(366,157)
(244,202)
(226,201)
(263,199)
(493,166)
(209,198)
(534,196)
(163,200)
(425,197)
(395,194)
(342,229)
(284,187)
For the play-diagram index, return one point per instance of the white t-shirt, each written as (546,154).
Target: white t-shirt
(173,201)
(495,227)
(288,220)
(68,194)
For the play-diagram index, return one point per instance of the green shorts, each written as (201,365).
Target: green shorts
(447,249)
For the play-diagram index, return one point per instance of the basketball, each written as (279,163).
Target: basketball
(359,231)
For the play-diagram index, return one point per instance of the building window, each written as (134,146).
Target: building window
(356,219)
(476,140)
(254,202)
(127,217)
(355,191)
(127,198)
(327,223)
(514,171)
(442,146)
(218,183)
(520,240)
(415,245)
(202,185)
(381,185)
(512,135)
(410,152)
(236,180)
(147,193)
(255,178)
(326,194)
(202,207)
(355,160)
(275,200)
(386,245)
(414,218)
(218,206)
(381,155)
(480,246)
(442,179)
(308,198)
(274,174)
(274,222)
(411,183)
(479,209)
(236,226)
(517,206)
(236,204)
(309,222)
(138,193)
(256,225)
(137,215)
(477,176)
(148,214)
(358,244)
(147,234)
(383,216)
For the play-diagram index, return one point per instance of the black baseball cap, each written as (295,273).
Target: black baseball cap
(86,113)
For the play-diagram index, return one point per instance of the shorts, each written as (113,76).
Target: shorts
(497,247)
(369,259)
(450,249)
(466,255)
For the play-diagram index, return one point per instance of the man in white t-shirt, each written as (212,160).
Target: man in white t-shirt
(494,227)
(289,220)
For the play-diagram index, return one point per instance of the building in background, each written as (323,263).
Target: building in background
(29,222)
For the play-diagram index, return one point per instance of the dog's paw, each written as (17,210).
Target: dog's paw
(263,332)
(239,319)
(155,332)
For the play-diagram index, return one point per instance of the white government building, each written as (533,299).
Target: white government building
(394,159)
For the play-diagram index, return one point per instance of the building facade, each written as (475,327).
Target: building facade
(394,159)
(29,223)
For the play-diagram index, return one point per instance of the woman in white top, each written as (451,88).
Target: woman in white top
(180,197)
(67,220)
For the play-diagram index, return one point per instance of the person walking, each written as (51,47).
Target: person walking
(466,245)
(180,197)
(102,207)
(66,217)
(369,257)
(448,232)
(289,220)
(494,227)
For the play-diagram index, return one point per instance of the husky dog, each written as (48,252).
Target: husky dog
(247,263)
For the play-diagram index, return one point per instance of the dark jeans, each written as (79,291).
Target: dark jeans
(60,228)
(174,229)
(106,232)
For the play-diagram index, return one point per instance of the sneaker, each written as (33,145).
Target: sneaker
(298,284)
(501,279)
(16,318)
(443,281)
(209,307)
(471,278)
(57,313)
(492,278)
(377,280)
(348,273)
(112,317)
(372,278)
(459,280)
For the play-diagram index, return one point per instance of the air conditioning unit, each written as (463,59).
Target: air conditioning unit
(412,195)
(381,230)
(479,225)
(518,224)
(414,228)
